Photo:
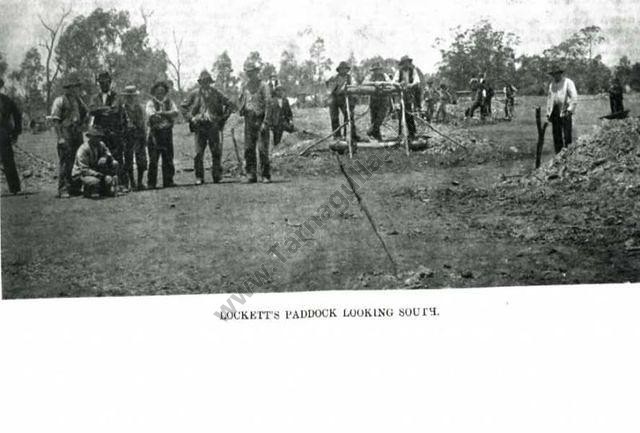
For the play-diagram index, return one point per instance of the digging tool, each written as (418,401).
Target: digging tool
(541,130)
(315,143)
(365,210)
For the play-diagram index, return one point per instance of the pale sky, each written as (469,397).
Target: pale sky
(388,28)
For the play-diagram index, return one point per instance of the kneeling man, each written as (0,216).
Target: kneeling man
(94,167)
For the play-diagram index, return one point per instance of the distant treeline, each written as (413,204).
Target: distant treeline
(105,39)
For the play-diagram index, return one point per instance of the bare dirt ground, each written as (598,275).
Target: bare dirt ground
(469,214)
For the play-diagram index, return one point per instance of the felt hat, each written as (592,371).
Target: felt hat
(205,77)
(343,66)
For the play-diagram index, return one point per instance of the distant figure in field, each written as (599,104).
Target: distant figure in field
(616,96)
(478,95)
(486,110)
(10,129)
(444,99)
(561,104)
(510,100)
(431,97)
(95,169)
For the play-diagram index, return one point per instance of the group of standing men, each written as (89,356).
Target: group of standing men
(435,99)
(120,132)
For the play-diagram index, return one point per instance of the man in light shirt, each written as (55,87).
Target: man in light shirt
(161,114)
(561,104)
(409,78)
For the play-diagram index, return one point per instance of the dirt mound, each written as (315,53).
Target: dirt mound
(607,161)
(32,169)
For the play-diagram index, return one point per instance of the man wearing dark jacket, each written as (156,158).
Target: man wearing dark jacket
(280,115)
(110,117)
(206,109)
(338,101)
(10,129)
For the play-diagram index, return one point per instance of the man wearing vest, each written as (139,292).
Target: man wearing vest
(10,129)
(408,77)
(94,167)
(69,114)
(161,115)
(207,110)
(561,104)
(254,108)
(110,117)
(338,102)
(134,137)
(478,94)
(280,115)
(378,104)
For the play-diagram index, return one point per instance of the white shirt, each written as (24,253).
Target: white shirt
(405,77)
(564,94)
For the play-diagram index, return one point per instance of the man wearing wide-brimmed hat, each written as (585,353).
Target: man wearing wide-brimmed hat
(10,129)
(94,167)
(254,106)
(109,115)
(207,109)
(69,114)
(561,104)
(161,114)
(338,102)
(407,75)
(378,104)
(134,137)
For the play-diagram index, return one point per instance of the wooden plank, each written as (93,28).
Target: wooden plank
(541,130)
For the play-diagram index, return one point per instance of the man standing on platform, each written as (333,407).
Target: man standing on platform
(69,114)
(408,77)
(561,104)
(207,110)
(10,129)
(378,104)
(338,101)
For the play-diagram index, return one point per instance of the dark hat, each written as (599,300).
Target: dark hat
(376,66)
(160,83)
(94,132)
(405,59)
(343,65)
(103,75)
(72,80)
(251,65)
(555,69)
(205,76)
(131,90)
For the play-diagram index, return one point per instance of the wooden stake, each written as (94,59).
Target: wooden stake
(541,130)
(403,123)
(349,128)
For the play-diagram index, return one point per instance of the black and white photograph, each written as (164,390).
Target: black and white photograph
(167,148)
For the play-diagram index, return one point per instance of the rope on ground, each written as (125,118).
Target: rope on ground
(364,208)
